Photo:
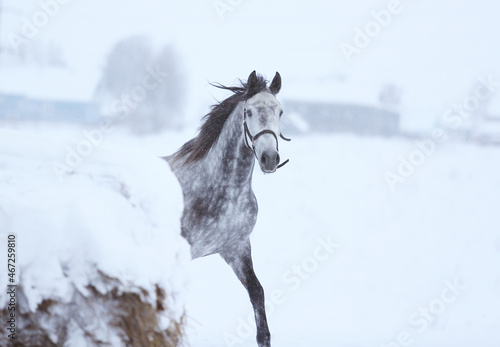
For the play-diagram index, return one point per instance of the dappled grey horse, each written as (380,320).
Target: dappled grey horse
(215,172)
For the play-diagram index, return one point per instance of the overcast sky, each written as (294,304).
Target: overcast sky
(434,49)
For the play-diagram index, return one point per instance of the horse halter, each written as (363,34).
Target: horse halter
(256,136)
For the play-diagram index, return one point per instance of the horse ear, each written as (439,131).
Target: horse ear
(252,80)
(275,84)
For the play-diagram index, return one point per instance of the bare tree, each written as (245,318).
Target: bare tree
(169,96)
(148,88)
(126,65)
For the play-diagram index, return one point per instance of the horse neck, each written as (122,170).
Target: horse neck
(231,161)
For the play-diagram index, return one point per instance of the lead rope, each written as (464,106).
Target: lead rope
(253,138)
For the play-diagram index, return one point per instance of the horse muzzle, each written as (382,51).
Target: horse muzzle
(269,161)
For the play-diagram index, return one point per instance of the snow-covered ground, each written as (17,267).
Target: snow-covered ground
(418,264)
(114,217)
(346,261)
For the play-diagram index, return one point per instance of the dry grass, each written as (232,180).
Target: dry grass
(133,320)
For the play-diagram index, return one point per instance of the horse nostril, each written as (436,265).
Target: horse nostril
(263,159)
(277,159)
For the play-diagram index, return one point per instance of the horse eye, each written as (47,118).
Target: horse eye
(249,113)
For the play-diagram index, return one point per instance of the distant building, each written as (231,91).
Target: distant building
(487,131)
(48,94)
(322,117)
(22,108)
(340,106)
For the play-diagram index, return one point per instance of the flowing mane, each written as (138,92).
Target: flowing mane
(197,148)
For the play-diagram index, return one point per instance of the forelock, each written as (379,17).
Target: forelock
(263,99)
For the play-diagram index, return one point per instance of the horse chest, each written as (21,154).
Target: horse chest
(223,209)
(218,218)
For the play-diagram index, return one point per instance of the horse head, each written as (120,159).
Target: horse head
(261,121)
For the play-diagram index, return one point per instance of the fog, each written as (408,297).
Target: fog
(394,112)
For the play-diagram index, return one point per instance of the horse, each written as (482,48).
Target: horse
(215,172)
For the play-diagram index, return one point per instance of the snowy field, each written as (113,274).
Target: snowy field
(108,225)
(344,260)
(417,264)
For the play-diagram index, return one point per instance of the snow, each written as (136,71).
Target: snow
(117,213)
(344,260)
(396,250)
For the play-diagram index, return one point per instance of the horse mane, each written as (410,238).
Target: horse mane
(197,148)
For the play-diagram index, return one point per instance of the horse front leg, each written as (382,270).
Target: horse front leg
(240,260)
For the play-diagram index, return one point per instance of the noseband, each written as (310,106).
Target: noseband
(253,138)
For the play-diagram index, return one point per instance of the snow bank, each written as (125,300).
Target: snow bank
(97,245)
